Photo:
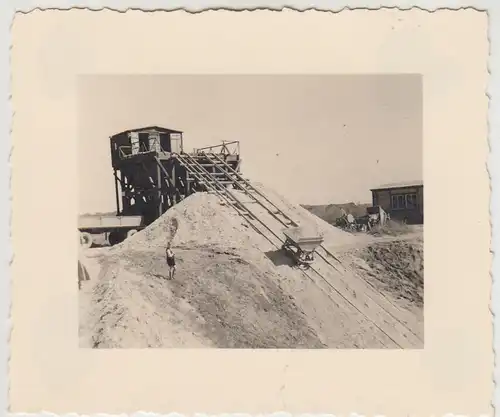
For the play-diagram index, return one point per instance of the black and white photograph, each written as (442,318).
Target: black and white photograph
(259,211)
(219,212)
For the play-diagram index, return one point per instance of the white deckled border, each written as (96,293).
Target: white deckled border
(9,7)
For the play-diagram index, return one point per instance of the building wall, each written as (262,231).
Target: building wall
(116,142)
(384,198)
(420,199)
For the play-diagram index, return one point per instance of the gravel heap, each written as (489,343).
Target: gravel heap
(232,287)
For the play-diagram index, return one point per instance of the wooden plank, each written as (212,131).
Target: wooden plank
(96,222)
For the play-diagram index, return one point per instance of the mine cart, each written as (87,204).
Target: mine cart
(301,245)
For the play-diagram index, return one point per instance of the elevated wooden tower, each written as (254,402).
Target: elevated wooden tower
(152,172)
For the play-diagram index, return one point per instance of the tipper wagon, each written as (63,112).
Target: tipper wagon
(301,245)
(117,227)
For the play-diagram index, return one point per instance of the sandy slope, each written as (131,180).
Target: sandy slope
(232,289)
(394,266)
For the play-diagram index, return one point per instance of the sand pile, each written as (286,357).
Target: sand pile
(396,267)
(391,228)
(218,299)
(331,212)
(199,219)
(232,287)
(334,237)
(225,293)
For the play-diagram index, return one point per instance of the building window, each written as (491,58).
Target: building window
(411,201)
(403,201)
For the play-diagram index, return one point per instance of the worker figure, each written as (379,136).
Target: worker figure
(170,261)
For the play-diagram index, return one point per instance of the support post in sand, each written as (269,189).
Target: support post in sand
(116,193)
(159,182)
(174,181)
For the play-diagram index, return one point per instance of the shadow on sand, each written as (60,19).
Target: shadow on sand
(279,258)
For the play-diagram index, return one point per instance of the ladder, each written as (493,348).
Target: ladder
(202,175)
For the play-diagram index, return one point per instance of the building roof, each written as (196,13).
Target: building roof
(403,184)
(142,129)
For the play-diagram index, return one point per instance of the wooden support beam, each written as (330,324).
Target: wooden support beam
(165,171)
(116,194)
(174,183)
(187,182)
(160,202)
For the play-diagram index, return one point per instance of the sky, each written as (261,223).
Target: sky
(316,139)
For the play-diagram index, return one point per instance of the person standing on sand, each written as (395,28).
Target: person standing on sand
(170,261)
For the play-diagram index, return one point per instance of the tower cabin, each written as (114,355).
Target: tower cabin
(152,171)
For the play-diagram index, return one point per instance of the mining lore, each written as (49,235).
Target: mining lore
(199,255)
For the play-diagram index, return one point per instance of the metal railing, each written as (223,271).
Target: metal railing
(225,148)
(126,151)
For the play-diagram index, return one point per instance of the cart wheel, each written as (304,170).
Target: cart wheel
(131,232)
(86,240)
